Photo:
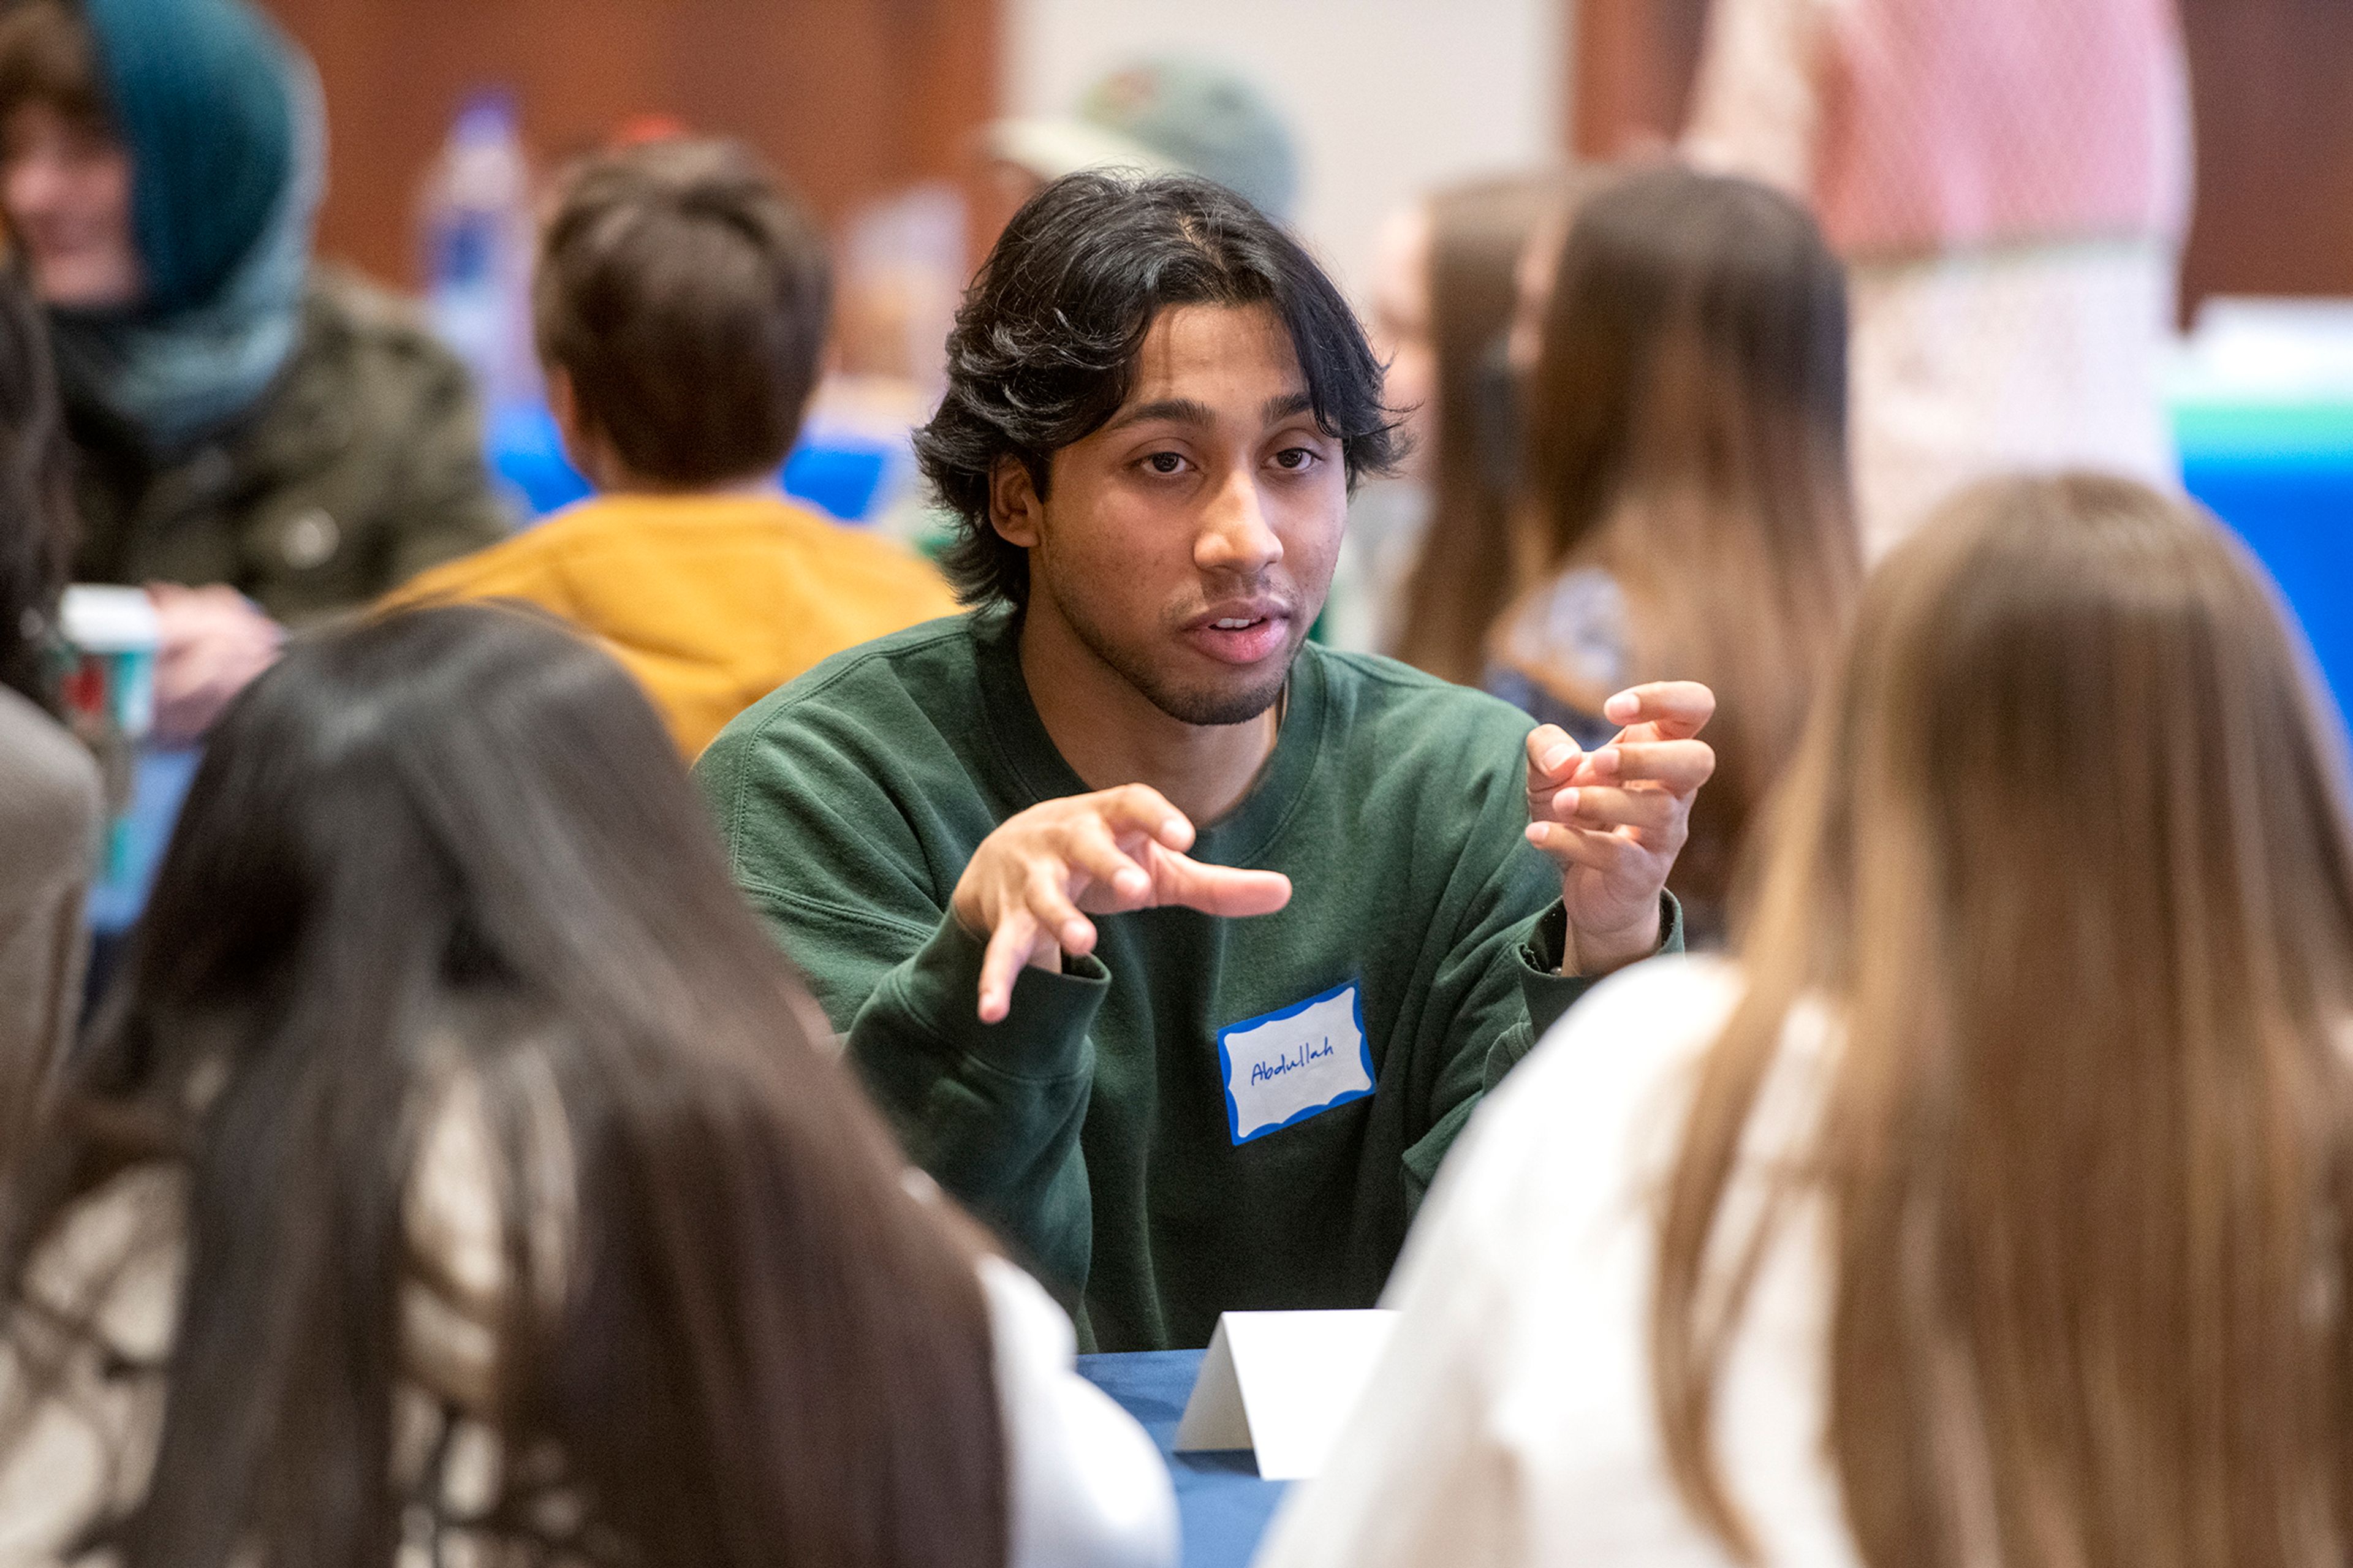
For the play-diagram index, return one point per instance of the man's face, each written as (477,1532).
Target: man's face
(1188,543)
(67,188)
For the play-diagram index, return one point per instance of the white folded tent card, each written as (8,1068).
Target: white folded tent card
(1282,1383)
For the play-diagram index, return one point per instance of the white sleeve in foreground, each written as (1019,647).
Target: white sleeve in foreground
(1086,1487)
(1507,1426)
(1417,1477)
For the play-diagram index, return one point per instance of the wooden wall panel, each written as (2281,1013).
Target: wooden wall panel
(2272,82)
(1631,72)
(850,98)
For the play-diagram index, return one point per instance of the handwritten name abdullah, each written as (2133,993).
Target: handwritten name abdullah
(1307,1054)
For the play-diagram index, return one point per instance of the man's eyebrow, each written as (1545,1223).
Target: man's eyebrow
(1287,406)
(1180,410)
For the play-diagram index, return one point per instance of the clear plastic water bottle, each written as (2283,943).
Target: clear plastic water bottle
(476,220)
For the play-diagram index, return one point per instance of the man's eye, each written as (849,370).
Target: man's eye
(1295,458)
(1165,462)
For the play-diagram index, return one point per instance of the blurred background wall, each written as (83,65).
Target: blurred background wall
(852,98)
(857,99)
(1387,98)
(2271,83)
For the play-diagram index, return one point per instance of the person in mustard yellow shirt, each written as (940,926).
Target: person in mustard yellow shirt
(681,308)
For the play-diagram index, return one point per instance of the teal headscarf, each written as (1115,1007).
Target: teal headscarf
(221,115)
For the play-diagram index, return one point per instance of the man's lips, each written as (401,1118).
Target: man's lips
(1241,633)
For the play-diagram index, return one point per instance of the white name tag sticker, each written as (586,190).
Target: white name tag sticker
(1285,1066)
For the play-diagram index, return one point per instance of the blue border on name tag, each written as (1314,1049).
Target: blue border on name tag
(1225,1063)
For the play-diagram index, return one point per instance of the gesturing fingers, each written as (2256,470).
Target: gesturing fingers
(1603,808)
(1031,884)
(1553,755)
(1011,945)
(1050,906)
(1218,890)
(1089,847)
(1681,766)
(1613,855)
(1140,809)
(1667,710)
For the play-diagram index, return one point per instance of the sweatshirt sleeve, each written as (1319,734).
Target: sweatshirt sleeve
(991,1110)
(1497,988)
(847,857)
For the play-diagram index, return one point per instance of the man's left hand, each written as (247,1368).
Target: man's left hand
(1615,818)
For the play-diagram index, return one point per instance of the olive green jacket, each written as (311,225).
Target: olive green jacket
(361,466)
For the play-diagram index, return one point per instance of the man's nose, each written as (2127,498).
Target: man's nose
(1235,535)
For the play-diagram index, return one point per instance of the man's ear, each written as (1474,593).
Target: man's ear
(564,405)
(583,443)
(580,443)
(1015,509)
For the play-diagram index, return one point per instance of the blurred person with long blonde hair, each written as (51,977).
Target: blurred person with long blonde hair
(1426,564)
(1460,275)
(1991,1208)
(1687,504)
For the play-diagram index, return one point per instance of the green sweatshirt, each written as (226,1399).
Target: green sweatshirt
(1164,1130)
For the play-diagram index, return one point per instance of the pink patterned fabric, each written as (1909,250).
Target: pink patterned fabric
(1952,123)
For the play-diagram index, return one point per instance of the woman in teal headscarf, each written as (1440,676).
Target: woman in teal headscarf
(254,429)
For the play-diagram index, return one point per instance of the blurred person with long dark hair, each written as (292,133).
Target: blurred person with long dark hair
(262,440)
(1444,293)
(458,1167)
(2009,184)
(1993,1207)
(49,792)
(1687,482)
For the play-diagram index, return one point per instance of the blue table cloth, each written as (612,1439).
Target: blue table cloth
(1222,1504)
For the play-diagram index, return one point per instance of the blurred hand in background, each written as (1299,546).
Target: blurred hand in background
(212,641)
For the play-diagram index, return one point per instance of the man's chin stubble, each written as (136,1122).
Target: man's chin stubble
(1208,707)
(1215,708)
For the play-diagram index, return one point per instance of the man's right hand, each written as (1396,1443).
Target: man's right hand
(1113,850)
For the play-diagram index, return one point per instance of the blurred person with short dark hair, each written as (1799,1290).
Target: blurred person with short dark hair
(2009,184)
(458,1173)
(51,798)
(1993,1207)
(1688,503)
(1010,851)
(681,308)
(263,439)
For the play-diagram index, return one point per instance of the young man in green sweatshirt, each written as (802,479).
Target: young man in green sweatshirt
(1177,948)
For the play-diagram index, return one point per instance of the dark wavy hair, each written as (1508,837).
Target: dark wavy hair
(1045,344)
